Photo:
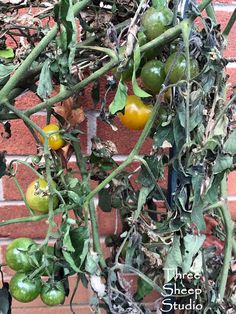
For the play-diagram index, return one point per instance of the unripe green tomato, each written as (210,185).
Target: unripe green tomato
(179,68)
(153,76)
(156,22)
(24,289)
(17,256)
(53,294)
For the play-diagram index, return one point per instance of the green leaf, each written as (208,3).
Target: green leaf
(221,127)
(143,289)
(75,246)
(192,244)
(143,194)
(156,166)
(119,100)
(7,53)
(137,90)
(65,16)
(92,260)
(230,144)
(222,163)
(197,216)
(179,133)
(73,182)
(6,70)
(212,193)
(163,134)
(196,109)
(74,197)
(173,260)
(45,81)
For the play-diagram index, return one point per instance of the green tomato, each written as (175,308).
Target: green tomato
(24,289)
(17,256)
(153,75)
(176,63)
(53,293)
(155,22)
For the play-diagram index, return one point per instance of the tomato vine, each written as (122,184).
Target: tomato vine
(163,249)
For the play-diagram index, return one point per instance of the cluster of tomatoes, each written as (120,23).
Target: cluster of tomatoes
(37,194)
(154,71)
(24,256)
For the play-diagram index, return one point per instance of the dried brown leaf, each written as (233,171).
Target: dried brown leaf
(72,116)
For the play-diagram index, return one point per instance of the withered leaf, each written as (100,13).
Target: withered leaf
(72,116)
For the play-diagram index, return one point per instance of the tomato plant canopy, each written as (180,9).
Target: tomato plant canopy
(166,77)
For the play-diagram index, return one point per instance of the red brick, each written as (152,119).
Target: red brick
(27,229)
(27,100)
(22,142)
(24,176)
(223,18)
(232,207)
(124,138)
(83,309)
(223,2)
(232,183)
(107,222)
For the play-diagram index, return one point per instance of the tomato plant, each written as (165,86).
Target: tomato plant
(53,293)
(55,140)
(164,197)
(136,113)
(23,288)
(18,256)
(37,195)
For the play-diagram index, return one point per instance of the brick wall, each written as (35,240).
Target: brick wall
(21,145)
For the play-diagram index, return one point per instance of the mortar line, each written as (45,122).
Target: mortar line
(91,128)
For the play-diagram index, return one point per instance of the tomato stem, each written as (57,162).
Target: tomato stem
(229,229)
